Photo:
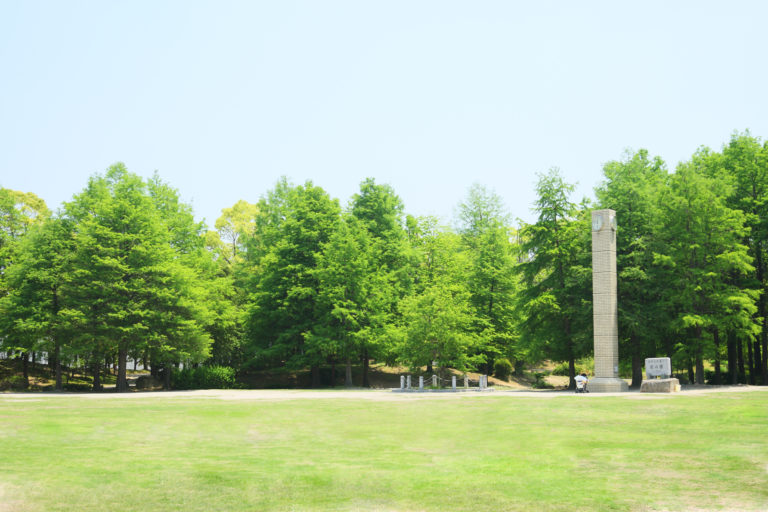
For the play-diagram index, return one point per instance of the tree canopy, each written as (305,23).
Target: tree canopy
(294,281)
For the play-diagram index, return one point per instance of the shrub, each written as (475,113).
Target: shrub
(15,383)
(148,382)
(725,377)
(540,382)
(203,377)
(77,386)
(582,366)
(502,368)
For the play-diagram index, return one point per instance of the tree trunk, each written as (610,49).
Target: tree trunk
(122,382)
(732,364)
(366,384)
(637,371)
(699,370)
(57,350)
(762,311)
(740,356)
(52,364)
(691,376)
(764,336)
(96,375)
(25,364)
(315,370)
(571,373)
(348,375)
(167,376)
(154,368)
(333,373)
(750,364)
(718,376)
(758,363)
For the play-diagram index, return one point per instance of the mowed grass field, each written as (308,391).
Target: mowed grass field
(417,452)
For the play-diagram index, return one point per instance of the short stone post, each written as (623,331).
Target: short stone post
(402,382)
(408,382)
(453,382)
(421,382)
(466,381)
(434,381)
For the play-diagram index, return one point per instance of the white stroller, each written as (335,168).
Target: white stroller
(581,384)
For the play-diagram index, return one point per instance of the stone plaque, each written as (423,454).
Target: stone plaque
(658,367)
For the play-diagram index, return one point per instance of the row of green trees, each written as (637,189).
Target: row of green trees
(297,281)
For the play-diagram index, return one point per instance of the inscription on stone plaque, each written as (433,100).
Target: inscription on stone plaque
(658,367)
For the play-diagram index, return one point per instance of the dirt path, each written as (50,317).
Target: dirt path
(374,395)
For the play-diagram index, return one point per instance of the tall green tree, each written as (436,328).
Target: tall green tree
(492,279)
(130,285)
(437,323)
(700,249)
(292,227)
(555,303)
(19,211)
(347,288)
(744,165)
(31,312)
(631,187)
(380,212)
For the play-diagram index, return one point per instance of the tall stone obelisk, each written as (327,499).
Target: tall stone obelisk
(604,304)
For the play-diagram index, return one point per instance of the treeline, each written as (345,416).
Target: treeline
(298,281)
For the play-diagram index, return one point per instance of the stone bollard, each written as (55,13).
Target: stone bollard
(421,382)
(453,382)
(466,382)
(402,382)
(408,382)
(434,381)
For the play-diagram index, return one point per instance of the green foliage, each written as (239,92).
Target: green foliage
(492,281)
(584,365)
(203,377)
(539,381)
(292,226)
(555,301)
(502,368)
(296,283)
(631,188)
(14,383)
(78,386)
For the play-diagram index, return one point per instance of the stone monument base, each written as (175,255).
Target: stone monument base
(607,385)
(660,386)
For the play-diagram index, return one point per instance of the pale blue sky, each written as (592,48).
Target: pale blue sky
(224,97)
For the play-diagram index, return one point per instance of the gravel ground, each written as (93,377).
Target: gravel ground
(374,395)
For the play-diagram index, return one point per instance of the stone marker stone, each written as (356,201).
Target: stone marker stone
(660,386)
(658,367)
(604,304)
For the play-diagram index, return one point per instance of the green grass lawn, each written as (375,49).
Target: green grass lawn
(494,453)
